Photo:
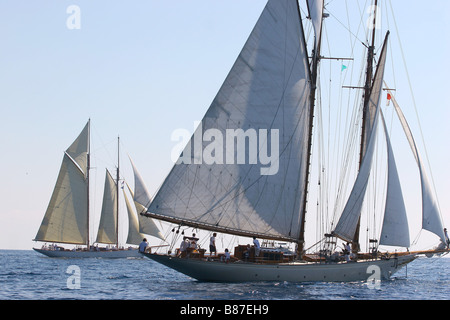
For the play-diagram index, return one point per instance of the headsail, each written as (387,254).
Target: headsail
(65,220)
(141,198)
(134,236)
(107,230)
(348,222)
(265,95)
(395,230)
(431,219)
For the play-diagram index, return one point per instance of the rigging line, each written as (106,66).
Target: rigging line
(324,161)
(353,123)
(347,159)
(367,32)
(354,35)
(320,160)
(415,106)
(338,123)
(361,75)
(391,52)
(416,239)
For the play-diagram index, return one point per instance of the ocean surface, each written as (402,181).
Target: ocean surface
(28,275)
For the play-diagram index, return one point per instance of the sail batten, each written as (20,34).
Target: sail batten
(261,109)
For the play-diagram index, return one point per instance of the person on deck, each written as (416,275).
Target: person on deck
(227,256)
(143,245)
(347,251)
(212,244)
(447,239)
(257,246)
(183,246)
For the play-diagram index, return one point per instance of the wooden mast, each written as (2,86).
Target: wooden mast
(117,192)
(367,90)
(313,74)
(87,181)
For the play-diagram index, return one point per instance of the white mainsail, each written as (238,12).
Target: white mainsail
(66,218)
(107,230)
(395,230)
(431,219)
(267,90)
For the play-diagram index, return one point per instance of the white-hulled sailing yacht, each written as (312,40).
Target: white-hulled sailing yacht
(270,96)
(67,217)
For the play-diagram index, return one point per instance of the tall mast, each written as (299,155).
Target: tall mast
(314,70)
(117,191)
(367,90)
(87,180)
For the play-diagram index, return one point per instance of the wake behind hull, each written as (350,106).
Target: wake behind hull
(119,254)
(215,271)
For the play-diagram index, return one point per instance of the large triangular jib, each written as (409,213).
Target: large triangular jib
(431,218)
(141,199)
(395,230)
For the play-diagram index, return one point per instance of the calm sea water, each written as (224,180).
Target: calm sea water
(27,275)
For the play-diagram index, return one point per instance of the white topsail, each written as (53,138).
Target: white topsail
(395,230)
(65,220)
(267,90)
(431,219)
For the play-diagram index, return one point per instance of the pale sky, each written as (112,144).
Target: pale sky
(142,69)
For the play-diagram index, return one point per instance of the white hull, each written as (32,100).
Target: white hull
(118,254)
(293,272)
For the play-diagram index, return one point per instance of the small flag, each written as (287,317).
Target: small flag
(343,68)
(388,99)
